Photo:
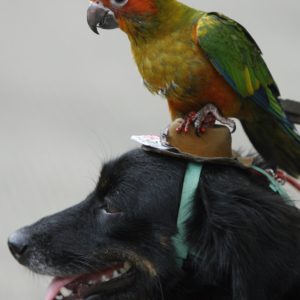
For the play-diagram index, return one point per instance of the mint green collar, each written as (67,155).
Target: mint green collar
(275,186)
(190,183)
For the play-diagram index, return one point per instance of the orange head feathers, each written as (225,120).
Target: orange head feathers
(129,7)
(132,16)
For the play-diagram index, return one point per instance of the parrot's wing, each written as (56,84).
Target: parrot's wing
(237,57)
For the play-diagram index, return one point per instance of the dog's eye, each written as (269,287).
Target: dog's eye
(110,209)
(105,206)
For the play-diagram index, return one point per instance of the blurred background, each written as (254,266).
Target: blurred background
(70,100)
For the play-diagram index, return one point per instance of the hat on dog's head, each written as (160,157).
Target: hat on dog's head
(214,143)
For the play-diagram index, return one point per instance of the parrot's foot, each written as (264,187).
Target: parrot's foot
(205,118)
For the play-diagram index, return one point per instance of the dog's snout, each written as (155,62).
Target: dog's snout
(18,243)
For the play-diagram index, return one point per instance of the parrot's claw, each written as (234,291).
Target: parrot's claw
(205,118)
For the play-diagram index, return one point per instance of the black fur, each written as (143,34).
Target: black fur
(244,238)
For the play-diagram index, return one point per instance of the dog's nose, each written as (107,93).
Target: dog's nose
(18,243)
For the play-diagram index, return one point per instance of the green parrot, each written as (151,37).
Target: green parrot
(207,64)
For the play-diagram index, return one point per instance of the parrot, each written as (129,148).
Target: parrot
(208,67)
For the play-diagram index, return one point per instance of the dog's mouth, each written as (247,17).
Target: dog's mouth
(85,286)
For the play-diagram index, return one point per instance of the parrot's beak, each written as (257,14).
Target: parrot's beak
(99,16)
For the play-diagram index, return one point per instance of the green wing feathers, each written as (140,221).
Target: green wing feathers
(235,54)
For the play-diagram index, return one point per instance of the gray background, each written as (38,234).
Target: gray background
(70,99)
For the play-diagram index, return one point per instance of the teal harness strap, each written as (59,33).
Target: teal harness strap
(275,186)
(190,183)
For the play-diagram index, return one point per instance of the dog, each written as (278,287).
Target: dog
(117,244)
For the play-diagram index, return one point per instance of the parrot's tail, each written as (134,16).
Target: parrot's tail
(292,109)
(277,143)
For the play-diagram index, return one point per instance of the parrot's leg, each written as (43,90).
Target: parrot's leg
(205,118)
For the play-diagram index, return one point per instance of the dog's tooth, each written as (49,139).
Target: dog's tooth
(59,297)
(127,265)
(122,271)
(91,282)
(104,278)
(65,292)
(115,274)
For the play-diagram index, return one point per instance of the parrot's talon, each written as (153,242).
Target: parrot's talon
(207,117)
(233,128)
(204,119)
(185,125)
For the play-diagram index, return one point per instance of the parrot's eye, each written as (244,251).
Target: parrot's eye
(118,3)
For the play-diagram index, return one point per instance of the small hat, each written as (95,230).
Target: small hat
(214,142)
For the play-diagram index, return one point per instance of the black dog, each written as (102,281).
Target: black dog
(117,244)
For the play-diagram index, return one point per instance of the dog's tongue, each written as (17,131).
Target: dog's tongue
(56,285)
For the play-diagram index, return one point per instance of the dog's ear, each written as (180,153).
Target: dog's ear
(244,238)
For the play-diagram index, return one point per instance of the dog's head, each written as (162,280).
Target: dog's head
(117,244)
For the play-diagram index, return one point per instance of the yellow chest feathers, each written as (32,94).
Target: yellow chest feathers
(173,65)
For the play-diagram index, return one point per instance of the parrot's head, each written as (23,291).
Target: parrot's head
(125,14)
